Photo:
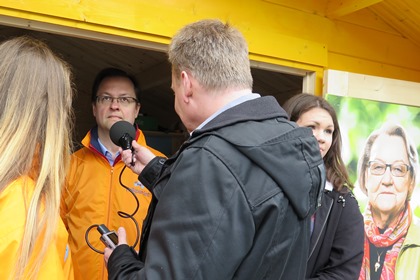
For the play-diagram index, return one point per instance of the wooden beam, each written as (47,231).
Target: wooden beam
(336,9)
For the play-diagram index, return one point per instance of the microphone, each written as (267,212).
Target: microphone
(122,133)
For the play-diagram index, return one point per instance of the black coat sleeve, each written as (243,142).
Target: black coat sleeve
(124,264)
(151,172)
(198,205)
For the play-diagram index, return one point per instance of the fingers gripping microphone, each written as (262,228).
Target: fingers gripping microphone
(122,133)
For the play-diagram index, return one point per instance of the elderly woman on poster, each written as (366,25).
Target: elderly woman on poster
(387,172)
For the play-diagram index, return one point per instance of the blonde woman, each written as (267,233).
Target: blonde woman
(35,109)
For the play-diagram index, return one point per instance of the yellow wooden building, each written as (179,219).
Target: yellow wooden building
(290,41)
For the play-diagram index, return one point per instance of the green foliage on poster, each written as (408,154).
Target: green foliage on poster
(358,118)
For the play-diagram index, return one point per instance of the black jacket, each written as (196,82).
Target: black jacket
(336,250)
(234,202)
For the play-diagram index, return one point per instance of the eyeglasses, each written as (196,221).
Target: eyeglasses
(397,169)
(123,100)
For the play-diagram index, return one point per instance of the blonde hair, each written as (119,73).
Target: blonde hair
(35,137)
(214,53)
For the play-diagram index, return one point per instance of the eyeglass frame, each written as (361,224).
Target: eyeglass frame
(101,99)
(390,168)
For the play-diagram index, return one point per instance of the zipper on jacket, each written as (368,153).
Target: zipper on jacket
(109,196)
(322,228)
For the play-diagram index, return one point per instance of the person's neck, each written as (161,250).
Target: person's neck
(385,220)
(219,99)
(209,102)
(107,142)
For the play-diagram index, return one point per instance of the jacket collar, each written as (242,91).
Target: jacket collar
(253,110)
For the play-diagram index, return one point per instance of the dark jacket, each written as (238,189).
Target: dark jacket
(234,203)
(336,250)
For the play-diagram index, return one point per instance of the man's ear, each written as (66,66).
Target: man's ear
(138,108)
(186,86)
(94,109)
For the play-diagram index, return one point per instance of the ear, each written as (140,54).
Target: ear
(186,82)
(138,108)
(412,184)
(94,109)
(363,179)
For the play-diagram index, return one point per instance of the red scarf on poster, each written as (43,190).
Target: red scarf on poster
(392,236)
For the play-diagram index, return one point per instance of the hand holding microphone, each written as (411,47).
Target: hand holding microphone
(135,156)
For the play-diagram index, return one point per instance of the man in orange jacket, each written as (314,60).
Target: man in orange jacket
(93,193)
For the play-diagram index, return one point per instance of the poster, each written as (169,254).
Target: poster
(385,174)
(358,118)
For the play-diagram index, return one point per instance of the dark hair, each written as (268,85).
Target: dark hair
(336,170)
(113,72)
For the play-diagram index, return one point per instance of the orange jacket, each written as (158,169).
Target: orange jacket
(14,202)
(93,195)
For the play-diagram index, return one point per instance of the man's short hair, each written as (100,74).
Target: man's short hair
(214,53)
(113,72)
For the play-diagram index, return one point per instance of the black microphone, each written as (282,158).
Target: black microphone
(122,133)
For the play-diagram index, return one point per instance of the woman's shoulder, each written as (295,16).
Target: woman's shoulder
(15,201)
(346,213)
(344,193)
(347,200)
(20,187)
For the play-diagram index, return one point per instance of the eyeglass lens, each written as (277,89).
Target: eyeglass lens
(397,169)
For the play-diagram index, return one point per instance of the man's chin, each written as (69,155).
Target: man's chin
(113,120)
(110,122)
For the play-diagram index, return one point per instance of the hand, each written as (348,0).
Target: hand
(122,239)
(142,156)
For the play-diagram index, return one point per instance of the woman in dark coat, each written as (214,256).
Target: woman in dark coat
(336,248)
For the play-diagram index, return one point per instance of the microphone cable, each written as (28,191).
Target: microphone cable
(122,214)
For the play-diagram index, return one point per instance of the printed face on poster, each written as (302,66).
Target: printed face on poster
(380,150)
(382,167)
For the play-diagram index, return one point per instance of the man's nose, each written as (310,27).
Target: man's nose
(115,103)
